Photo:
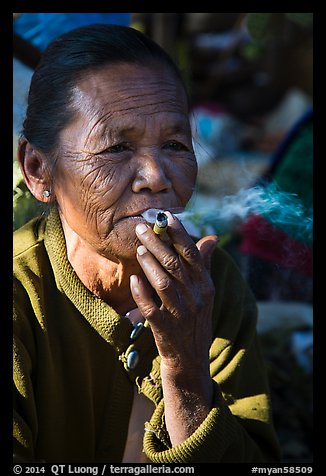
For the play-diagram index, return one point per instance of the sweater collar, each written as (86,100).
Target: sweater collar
(112,327)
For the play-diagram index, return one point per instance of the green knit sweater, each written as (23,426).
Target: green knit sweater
(73,390)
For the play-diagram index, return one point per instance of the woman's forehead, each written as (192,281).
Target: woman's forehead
(127,87)
(126,100)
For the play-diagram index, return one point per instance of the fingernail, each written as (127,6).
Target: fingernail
(134,284)
(141,228)
(170,217)
(141,250)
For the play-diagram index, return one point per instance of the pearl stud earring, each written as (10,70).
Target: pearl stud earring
(46,193)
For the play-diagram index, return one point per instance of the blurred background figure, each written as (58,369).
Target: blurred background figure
(39,29)
(280,251)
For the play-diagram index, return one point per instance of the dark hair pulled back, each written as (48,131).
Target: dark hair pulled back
(66,60)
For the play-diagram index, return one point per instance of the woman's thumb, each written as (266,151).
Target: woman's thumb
(206,247)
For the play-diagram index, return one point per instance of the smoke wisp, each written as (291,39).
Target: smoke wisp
(283,209)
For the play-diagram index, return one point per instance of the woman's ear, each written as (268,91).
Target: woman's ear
(34,167)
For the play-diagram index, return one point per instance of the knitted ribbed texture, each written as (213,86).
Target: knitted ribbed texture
(207,444)
(103,318)
(100,315)
(238,427)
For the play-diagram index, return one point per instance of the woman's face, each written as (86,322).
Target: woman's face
(128,149)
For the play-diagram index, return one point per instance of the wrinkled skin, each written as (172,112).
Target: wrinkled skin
(128,149)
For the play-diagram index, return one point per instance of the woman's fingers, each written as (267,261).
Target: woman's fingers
(143,298)
(162,325)
(162,282)
(179,273)
(206,247)
(197,255)
(183,243)
(165,255)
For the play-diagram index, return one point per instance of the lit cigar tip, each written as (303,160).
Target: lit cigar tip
(161,223)
(161,219)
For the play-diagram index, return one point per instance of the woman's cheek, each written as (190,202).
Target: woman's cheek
(98,210)
(185,179)
(103,186)
(121,242)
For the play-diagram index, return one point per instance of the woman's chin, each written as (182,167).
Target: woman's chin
(123,242)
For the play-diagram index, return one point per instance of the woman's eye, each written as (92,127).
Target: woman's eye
(118,148)
(175,145)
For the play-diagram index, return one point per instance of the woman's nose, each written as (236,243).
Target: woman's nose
(151,174)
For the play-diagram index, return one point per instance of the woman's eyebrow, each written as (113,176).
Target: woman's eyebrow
(177,127)
(104,129)
(123,129)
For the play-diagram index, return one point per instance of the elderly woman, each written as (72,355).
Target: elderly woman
(128,347)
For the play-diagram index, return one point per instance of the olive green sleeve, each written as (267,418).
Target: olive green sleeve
(24,410)
(239,426)
(235,431)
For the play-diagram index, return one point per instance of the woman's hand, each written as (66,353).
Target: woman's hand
(182,324)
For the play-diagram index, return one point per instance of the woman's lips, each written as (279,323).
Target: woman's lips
(138,218)
(149,214)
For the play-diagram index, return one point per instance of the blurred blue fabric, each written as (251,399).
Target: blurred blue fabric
(41,28)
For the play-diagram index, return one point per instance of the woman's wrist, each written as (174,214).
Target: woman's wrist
(188,398)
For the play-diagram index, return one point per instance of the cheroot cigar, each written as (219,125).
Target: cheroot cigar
(161,224)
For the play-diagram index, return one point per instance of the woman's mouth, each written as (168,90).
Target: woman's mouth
(150,214)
